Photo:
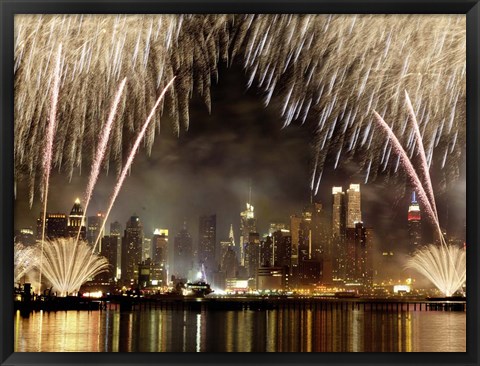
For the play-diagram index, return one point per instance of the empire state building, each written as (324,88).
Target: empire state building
(414,225)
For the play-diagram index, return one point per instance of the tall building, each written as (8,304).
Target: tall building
(55,226)
(338,212)
(159,260)
(230,263)
(76,221)
(159,245)
(353,211)
(414,225)
(276,226)
(207,234)
(295,222)
(116,232)
(320,227)
(266,252)
(231,238)
(183,253)
(146,248)
(110,251)
(282,249)
(359,258)
(252,255)
(94,223)
(338,233)
(131,249)
(116,229)
(248,224)
(305,235)
(25,236)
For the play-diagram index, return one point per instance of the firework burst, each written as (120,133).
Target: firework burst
(24,260)
(445,267)
(66,278)
(330,69)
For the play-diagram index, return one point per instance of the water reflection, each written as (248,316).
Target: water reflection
(285,330)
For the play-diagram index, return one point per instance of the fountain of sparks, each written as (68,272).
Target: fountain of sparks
(443,265)
(24,260)
(65,278)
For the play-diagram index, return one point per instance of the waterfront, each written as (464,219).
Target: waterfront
(279,330)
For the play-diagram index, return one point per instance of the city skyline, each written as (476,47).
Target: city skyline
(321,243)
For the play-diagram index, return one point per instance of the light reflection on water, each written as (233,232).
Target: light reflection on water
(285,330)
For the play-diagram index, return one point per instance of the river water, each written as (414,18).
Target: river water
(285,330)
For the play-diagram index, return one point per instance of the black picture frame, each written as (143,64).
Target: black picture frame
(8,8)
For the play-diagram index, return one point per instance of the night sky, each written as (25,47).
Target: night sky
(208,169)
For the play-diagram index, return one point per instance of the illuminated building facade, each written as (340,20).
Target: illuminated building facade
(183,253)
(207,233)
(25,236)
(338,233)
(116,232)
(295,222)
(94,224)
(159,246)
(353,209)
(55,227)
(252,255)
(359,255)
(248,224)
(131,249)
(110,251)
(76,221)
(414,225)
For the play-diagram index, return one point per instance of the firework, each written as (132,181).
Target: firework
(24,260)
(332,69)
(102,147)
(47,160)
(130,158)
(67,279)
(444,266)
(424,168)
(410,170)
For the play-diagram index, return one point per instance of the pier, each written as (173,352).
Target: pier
(129,303)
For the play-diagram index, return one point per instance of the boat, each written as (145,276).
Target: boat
(198,288)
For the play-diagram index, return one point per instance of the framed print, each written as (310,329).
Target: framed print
(183,181)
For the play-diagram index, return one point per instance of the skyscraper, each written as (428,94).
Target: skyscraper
(248,224)
(295,222)
(338,212)
(25,236)
(266,251)
(55,225)
(414,225)
(116,232)
(207,234)
(354,213)
(131,249)
(94,224)
(159,246)
(76,221)
(359,258)
(115,229)
(110,251)
(183,253)
(282,249)
(146,248)
(338,232)
(252,255)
